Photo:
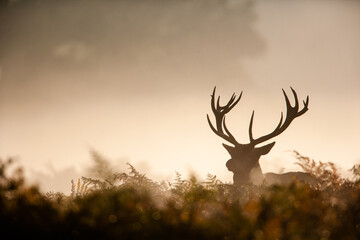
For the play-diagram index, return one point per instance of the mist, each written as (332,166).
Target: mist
(132,79)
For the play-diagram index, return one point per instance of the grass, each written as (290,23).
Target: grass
(131,206)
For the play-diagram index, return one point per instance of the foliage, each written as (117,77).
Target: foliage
(326,174)
(356,172)
(131,206)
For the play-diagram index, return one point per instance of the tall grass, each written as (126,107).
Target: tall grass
(129,205)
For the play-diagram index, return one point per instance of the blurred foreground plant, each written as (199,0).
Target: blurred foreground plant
(325,174)
(135,207)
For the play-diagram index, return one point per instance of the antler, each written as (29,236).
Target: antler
(291,114)
(219,112)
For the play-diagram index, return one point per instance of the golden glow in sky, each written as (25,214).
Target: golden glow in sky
(132,79)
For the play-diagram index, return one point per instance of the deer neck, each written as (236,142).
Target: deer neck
(254,176)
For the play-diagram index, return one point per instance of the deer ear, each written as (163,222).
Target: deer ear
(230,149)
(265,149)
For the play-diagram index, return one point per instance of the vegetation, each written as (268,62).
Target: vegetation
(132,206)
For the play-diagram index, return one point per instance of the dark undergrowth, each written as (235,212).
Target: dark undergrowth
(132,206)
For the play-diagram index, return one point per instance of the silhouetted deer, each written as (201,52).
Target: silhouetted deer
(244,162)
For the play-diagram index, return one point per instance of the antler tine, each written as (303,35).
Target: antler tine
(213,101)
(219,112)
(232,101)
(292,112)
(251,124)
(288,104)
(226,108)
(228,132)
(218,103)
(306,103)
(230,138)
(296,107)
(211,126)
(250,127)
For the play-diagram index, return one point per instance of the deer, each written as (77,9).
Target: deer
(244,161)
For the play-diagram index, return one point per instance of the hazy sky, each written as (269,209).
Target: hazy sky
(132,79)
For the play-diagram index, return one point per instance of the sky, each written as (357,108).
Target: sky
(132,80)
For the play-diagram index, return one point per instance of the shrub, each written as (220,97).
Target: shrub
(132,206)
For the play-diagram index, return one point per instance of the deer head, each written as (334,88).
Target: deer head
(244,162)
